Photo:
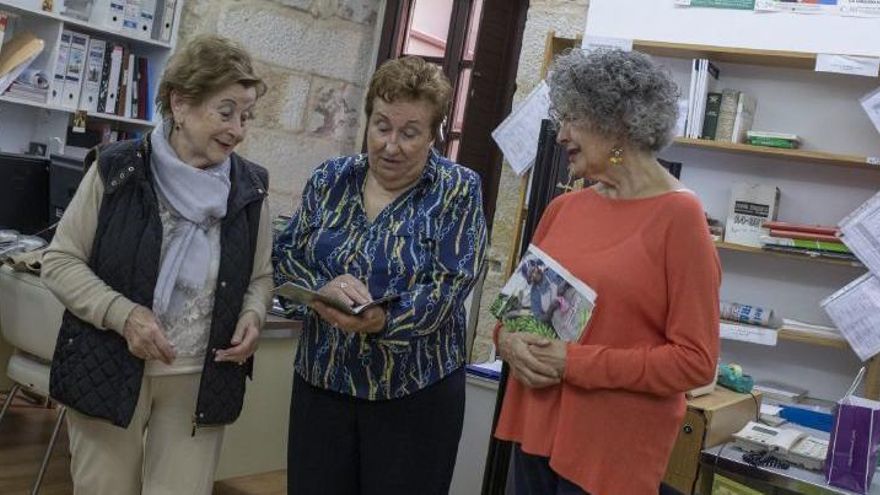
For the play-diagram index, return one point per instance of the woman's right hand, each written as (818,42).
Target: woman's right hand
(145,337)
(347,289)
(514,349)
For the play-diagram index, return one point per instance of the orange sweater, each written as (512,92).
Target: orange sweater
(609,427)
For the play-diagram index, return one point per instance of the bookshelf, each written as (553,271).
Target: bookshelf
(820,157)
(841,180)
(728,246)
(23,121)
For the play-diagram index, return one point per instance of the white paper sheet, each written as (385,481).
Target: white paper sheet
(860,231)
(871,103)
(848,64)
(518,135)
(860,8)
(855,310)
(748,333)
(594,42)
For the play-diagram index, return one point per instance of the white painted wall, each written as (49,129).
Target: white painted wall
(824,110)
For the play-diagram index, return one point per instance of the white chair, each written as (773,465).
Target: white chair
(30,317)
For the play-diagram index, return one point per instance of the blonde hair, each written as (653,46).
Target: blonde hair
(206,65)
(411,78)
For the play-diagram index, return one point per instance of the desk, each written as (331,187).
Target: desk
(727,459)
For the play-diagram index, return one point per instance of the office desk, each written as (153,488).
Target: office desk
(726,459)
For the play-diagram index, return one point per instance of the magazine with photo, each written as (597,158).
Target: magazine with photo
(543,298)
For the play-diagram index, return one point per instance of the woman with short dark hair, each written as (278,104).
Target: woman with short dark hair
(163,260)
(601,415)
(378,399)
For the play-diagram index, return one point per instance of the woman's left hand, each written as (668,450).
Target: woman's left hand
(244,340)
(553,354)
(370,321)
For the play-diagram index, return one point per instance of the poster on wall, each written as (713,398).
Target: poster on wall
(860,8)
(718,4)
(827,7)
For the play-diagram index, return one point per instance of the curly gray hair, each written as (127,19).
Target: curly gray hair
(619,94)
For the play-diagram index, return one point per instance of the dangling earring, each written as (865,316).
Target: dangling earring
(616,156)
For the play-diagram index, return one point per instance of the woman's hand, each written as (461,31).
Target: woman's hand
(370,321)
(244,340)
(145,337)
(553,355)
(347,289)
(517,349)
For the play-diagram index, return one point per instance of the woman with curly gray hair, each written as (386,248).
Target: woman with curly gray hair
(601,415)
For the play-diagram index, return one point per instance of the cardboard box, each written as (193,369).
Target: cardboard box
(750,206)
(709,421)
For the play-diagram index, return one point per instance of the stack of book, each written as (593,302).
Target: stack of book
(728,116)
(102,77)
(704,75)
(810,240)
(773,139)
(780,393)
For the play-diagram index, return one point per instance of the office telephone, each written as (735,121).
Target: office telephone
(789,444)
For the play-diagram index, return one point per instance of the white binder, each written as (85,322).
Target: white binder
(56,93)
(91,88)
(76,64)
(113,81)
(114,13)
(167,20)
(147,18)
(129,75)
(132,18)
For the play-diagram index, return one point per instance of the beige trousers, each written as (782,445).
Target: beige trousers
(156,454)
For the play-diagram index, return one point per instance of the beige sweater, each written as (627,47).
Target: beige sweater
(66,272)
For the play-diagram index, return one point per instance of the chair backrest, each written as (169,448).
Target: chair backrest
(30,315)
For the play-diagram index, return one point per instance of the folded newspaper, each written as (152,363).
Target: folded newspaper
(543,298)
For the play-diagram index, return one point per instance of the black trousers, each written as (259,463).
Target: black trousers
(341,445)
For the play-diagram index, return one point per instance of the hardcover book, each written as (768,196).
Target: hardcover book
(543,298)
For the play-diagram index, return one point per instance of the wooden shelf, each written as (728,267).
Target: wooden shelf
(100,116)
(749,56)
(87,27)
(823,157)
(727,246)
(791,335)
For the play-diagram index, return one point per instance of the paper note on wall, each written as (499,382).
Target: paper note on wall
(855,310)
(871,103)
(748,333)
(518,135)
(848,64)
(595,42)
(860,231)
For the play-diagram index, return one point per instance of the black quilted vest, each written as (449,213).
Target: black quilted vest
(92,370)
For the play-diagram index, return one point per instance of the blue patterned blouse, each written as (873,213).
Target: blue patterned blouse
(427,245)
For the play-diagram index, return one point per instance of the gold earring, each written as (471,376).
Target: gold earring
(616,156)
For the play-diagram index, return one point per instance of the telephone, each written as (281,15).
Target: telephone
(789,444)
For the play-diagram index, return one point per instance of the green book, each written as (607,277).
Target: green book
(834,247)
(772,142)
(710,119)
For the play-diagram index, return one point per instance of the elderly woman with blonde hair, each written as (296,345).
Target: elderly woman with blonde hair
(163,260)
(378,399)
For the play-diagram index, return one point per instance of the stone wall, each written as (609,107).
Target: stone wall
(567,18)
(316,57)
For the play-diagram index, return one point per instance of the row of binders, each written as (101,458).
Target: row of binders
(725,115)
(138,17)
(101,76)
